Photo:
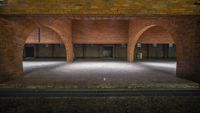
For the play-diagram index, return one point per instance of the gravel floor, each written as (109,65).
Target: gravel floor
(99,72)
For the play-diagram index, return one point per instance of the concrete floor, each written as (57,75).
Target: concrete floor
(40,72)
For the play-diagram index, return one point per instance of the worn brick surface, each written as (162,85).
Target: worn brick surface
(100,31)
(184,31)
(44,35)
(153,36)
(181,30)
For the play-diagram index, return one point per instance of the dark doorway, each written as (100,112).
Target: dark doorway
(155,51)
(101,51)
(29,51)
(108,52)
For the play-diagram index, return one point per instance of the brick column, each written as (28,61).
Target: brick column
(130,54)
(131,41)
(62,26)
(5,71)
(188,49)
(69,43)
(70,53)
(12,40)
(10,51)
(137,27)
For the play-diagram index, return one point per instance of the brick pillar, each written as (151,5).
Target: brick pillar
(6,68)
(130,54)
(10,51)
(70,53)
(131,42)
(69,43)
(12,40)
(188,50)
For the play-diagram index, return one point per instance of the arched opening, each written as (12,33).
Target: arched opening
(43,49)
(100,72)
(101,52)
(44,43)
(100,39)
(155,43)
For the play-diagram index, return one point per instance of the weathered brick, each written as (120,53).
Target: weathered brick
(104,30)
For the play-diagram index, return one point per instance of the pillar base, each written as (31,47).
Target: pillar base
(194,78)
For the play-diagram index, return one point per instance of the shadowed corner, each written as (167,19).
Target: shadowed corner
(197,3)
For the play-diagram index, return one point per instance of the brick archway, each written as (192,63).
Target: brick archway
(183,29)
(156,35)
(138,26)
(152,38)
(13,38)
(45,35)
(185,35)
(63,27)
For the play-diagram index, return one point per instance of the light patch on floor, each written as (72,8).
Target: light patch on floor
(98,72)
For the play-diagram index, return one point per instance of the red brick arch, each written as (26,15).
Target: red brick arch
(16,31)
(50,37)
(14,34)
(59,25)
(138,35)
(138,27)
(155,34)
(62,26)
(184,31)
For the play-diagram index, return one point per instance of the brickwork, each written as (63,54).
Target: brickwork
(63,27)
(43,35)
(153,36)
(12,43)
(188,52)
(181,30)
(100,31)
(184,31)
(14,33)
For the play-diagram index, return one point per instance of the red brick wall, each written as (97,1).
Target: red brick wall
(100,31)
(183,29)
(11,46)
(43,35)
(156,35)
